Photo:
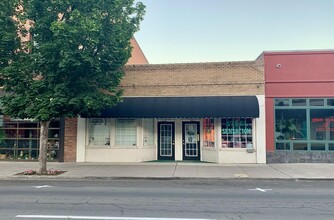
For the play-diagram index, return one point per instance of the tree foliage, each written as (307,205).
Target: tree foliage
(75,59)
(73,63)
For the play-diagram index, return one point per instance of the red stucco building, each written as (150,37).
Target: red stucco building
(299,97)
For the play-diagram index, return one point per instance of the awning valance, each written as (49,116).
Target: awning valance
(185,107)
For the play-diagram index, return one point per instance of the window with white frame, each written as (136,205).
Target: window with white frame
(209,132)
(148,132)
(126,132)
(98,131)
(236,132)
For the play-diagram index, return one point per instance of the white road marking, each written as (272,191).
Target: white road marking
(101,218)
(261,190)
(44,186)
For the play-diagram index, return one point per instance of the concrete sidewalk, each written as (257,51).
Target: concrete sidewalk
(172,170)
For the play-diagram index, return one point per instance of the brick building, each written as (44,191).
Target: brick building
(210,112)
(278,108)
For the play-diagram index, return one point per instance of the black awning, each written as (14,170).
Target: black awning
(185,107)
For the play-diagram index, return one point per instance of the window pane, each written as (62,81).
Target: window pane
(237,133)
(98,131)
(318,146)
(299,146)
(298,102)
(126,132)
(148,127)
(331,147)
(209,132)
(19,139)
(290,124)
(281,102)
(330,102)
(322,124)
(282,146)
(317,102)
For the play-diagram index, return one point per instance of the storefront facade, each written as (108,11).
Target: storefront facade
(212,112)
(19,139)
(299,106)
(277,109)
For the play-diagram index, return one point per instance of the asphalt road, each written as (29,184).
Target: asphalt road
(157,199)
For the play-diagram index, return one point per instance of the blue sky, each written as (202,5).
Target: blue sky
(187,31)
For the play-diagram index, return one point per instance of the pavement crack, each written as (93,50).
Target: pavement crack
(280,171)
(173,175)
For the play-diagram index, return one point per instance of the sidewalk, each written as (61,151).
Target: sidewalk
(172,170)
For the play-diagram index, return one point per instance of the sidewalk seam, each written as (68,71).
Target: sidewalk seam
(173,175)
(280,171)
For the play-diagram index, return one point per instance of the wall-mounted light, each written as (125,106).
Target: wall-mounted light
(278,66)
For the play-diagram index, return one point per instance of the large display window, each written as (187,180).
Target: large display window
(148,131)
(126,132)
(98,131)
(19,139)
(304,124)
(236,133)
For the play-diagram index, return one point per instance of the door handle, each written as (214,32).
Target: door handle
(197,137)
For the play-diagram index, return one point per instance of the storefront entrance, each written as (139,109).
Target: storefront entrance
(191,140)
(166,141)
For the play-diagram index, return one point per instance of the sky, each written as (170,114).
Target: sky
(191,31)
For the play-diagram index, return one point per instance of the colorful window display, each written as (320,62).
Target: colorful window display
(237,133)
(209,132)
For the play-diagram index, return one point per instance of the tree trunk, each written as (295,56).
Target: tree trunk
(43,147)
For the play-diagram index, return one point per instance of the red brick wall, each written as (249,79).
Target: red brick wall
(70,139)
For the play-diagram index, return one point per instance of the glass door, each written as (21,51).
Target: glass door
(191,141)
(166,141)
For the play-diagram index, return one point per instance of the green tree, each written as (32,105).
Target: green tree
(73,64)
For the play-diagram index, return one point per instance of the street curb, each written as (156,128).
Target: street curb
(99,178)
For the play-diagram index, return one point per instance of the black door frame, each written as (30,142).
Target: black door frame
(198,157)
(172,157)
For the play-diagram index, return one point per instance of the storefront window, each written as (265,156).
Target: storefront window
(126,132)
(19,139)
(322,124)
(309,128)
(148,132)
(98,131)
(236,133)
(209,132)
(290,124)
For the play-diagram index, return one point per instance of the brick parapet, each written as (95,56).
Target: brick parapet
(194,79)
